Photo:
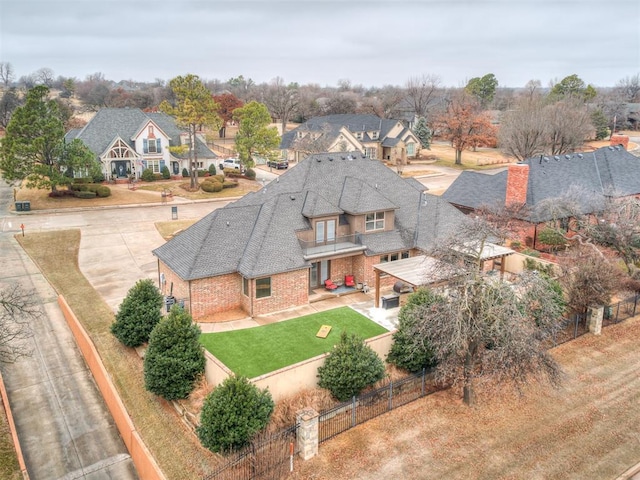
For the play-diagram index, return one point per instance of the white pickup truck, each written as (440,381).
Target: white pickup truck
(233,163)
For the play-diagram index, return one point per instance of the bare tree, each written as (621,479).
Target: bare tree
(422,92)
(483,328)
(44,76)
(568,126)
(17,309)
(522,130)
(383,102)
(313,140)
(629,88)
(281,100)
(588,278)
(6,73)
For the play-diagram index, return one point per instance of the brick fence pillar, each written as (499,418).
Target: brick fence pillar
(307,432)
(594,319)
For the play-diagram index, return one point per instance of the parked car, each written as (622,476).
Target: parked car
(278,164)
(233,163)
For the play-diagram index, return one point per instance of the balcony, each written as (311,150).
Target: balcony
(340,245)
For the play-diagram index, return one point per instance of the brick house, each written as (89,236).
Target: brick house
(330,216)
(375,137)
(126,141)
(608,172)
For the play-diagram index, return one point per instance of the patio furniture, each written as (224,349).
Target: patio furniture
(349,281)
(329,285)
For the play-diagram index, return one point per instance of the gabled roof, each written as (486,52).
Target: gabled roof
(110,123)
(476,190)
(605,172)
(260,237)
(331,125)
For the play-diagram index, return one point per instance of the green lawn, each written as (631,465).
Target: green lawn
(255,351)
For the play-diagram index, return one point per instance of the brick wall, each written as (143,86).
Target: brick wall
(180,286)
(517,179)
(288,290)
(215,294)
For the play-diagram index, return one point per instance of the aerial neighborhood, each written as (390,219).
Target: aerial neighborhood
(267,280)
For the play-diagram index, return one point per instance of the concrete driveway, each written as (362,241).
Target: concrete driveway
(63,425)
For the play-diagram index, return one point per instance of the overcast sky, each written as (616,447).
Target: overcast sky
(371,43)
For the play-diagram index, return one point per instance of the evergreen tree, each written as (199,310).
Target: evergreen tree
(404,352)
(232,414)
(423,132)
(350,368)
(174,360)
(34,148)
(139,313)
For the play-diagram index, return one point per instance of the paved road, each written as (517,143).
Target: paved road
(64,427)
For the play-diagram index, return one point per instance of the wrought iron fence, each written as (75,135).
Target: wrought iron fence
(265,458)
(360,409)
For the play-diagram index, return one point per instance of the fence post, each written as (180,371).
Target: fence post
(424,379)
(575,328)
(353,411)
(307,436)
(635,304)
(391,395)
(594,319)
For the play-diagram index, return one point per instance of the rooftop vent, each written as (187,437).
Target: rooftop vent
(567,156)
(610,148)
(331,159)
(580,155)
(292,197)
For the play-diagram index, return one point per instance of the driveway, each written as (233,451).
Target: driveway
(64,427)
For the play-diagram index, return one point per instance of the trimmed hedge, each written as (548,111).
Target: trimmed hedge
(85,194)
(229,184)
(211,187)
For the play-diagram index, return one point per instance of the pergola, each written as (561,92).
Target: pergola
(423,270)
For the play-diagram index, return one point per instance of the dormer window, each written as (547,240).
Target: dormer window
(359,135)
(374,135)
(374,221)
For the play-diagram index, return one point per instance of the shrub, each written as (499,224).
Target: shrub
(405,353)
(147,175)
(166,174)
(138,314)
(79,181)
(185,172)
(85,194)
(103,191)
(250,174)
(97,177)
(212,169)
(210,187)
(229,184)
(232,414)
(350,367)
(202,173)
(174,360)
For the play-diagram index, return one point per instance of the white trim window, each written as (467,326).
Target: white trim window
(374,221)
(154,165)
(371,152)
(411,148)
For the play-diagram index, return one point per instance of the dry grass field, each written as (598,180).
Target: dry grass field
(587,429)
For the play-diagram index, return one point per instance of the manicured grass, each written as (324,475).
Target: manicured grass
(255,351)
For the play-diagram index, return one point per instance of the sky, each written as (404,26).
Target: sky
(369,43)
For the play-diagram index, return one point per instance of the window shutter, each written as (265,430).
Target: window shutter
(145,145)
(158,145)
(161,162)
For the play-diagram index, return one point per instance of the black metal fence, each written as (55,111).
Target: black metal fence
(265,458)
(360,409)
(614,313)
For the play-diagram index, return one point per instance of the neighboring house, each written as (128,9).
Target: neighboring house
(334,214)
(127,140)
(375,137)
(608,172)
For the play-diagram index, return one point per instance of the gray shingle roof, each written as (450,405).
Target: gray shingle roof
(111,123)
(260,238)
(333,123)
(605,172)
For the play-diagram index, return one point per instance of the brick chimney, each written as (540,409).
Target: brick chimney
(517,180)
(619,139)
